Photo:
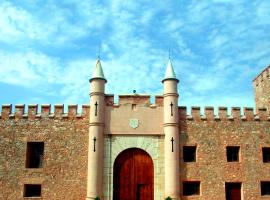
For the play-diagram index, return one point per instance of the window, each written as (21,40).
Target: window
(189,153)
(191,188)
(266,154)
(233,154)
(34,154)
(233,191)
(265,188)
(32,190)
(134,107)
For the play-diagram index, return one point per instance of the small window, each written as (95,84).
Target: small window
(189,153)
(34,154)
(233,154)
(191,188)
(265,188)
(134,107)
(266,154)
(233,191)
(32,190)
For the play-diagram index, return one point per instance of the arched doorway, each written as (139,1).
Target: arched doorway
(133,176)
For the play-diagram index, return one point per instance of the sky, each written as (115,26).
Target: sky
(48,49)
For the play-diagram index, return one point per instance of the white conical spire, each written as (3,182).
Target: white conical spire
(170,74)
(98,72)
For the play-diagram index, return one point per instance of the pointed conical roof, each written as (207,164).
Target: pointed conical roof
(170,74)
(98,72)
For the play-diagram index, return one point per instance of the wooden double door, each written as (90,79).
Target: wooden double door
(133,176)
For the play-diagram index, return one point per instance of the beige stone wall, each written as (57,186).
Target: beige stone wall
(153,145)
(147,136)
(261,85)
(133,107)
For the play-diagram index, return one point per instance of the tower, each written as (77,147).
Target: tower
(171,131)
(261,86)
(96,133)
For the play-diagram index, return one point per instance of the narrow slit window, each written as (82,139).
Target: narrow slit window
(191,188)
(233,153)
(189,153)
(266,154)
(34,154)
(265,188)
(32,190)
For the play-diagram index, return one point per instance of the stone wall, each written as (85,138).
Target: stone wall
(153,145)
(64,171)
(261,86)
(65,135)
(211,134)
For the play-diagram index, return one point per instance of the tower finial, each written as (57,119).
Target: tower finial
(169,53)
(99,52)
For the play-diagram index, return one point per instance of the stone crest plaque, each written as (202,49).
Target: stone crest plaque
(134,123)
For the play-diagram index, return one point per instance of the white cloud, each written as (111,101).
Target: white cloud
(27,69)
(211,42)
(15,23)
(54,24)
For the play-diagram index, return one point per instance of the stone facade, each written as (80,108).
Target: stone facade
(261,86)
(153,145)
(67,142)
(211,135)
(65,138)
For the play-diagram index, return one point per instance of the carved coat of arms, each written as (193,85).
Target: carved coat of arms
(134,123)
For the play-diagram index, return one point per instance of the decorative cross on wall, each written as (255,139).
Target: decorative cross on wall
(96,105)
(171,108)
(172,143)
(95,139)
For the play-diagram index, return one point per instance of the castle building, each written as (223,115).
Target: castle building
(135,150)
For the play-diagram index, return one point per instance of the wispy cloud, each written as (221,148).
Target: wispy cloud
(217,47)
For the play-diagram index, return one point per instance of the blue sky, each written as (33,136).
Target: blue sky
(49,48)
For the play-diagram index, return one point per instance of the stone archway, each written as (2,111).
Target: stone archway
(133,175)
(152,144)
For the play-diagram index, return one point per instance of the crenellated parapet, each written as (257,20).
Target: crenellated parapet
(223,115)
(35,111)
(134,99)
(209,113)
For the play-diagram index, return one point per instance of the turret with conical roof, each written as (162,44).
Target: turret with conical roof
(170,74)
(98,72)
(171,131)
(96,133)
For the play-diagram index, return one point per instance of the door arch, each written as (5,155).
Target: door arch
(133,176)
